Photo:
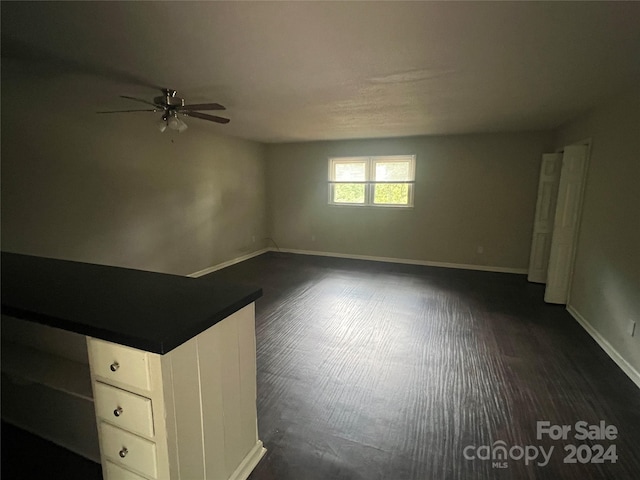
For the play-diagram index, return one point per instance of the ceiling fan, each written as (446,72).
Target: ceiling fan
(171,106)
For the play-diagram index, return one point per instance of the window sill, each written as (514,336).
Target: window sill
(361,205)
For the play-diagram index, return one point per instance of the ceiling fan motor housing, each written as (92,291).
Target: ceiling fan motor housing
(169,101)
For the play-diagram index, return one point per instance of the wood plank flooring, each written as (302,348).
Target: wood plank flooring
(382,371)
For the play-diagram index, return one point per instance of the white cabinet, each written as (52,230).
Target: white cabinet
(114,471)
(123,409)
(120,365)
(188,414)
(128,450)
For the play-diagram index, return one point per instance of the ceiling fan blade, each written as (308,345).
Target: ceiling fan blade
(127,111)
(204,116)
(143,101)
(202,106)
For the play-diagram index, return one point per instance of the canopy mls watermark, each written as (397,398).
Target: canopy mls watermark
(500,454)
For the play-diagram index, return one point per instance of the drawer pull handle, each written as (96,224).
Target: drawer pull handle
(123,452)
(118,411)
(114,366)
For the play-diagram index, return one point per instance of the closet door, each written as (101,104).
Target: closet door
(545,212)
(565,226)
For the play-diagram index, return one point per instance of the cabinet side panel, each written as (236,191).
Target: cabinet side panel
(210,345)
(235,447)
(248,374)
(188,410)
(166,416)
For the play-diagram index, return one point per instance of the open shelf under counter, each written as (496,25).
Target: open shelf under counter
(26,364)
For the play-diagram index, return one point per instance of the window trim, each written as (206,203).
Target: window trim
(370,182)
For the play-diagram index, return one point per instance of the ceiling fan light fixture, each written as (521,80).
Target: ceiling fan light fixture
(181,125)
(162,124)
(175,123)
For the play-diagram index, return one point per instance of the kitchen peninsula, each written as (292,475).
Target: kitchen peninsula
(171,364)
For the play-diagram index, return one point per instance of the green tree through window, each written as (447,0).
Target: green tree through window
(373,181)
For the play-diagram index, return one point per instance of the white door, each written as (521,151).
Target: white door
(545,211)
(565,225)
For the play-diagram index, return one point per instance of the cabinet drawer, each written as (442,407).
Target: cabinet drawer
(124,409)
(128,450)
(114,472)
(119,363)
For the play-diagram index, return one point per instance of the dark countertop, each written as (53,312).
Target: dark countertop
(150,311)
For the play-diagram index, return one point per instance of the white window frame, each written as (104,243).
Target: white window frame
(370,180)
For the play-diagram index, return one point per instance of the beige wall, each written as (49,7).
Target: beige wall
(112,189)
(471,190)
(605,289)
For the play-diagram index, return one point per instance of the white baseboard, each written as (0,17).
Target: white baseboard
(626,367)
(462,266)
(249,463)
(228,263)
(405,261)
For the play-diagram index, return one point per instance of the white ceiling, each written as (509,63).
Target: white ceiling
(290,71)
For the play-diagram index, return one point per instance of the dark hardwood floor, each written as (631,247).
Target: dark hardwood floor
(382,371)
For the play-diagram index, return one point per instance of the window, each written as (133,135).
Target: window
(374,181)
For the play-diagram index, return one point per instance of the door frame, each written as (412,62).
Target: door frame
(585,178)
